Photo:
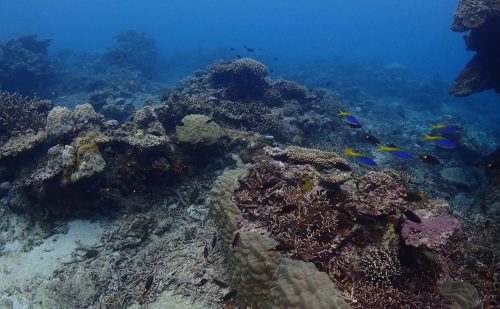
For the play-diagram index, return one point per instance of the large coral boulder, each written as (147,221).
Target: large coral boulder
(198,130)
(482,19)
(243,78)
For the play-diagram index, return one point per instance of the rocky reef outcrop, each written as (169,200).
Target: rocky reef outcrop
(133,50)
(25,65)
(481,18)
(76,155)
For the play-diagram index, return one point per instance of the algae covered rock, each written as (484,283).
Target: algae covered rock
(60,122)
(198,129)
(89,160)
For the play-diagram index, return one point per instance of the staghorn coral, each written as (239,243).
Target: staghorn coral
(19,114)
(380,266)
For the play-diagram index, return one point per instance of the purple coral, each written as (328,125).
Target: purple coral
(432,232)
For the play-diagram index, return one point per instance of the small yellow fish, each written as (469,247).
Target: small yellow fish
(350,152)
(439,126)
(344,114)
(432,138)
(386,148)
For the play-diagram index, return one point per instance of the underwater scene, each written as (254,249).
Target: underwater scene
(249,154)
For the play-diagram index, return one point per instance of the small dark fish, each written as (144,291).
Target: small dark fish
(341,166)
(371,139)
(411,215)
(286,209)
(282,248)
(236,240)
(120,57)
(220,283)
(150,77)
(147,286)
(275,58)
(429,159)
(229,295)
(202,282)
(485,225)
(328,83)
(232,49)
(238,56)
(91,253)
(271,70)
(205,252)
(413,196)
(214,240)
(392,146)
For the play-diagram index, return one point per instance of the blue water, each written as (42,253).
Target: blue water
(415,33)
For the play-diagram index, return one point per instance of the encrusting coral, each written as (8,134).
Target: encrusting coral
(198,130)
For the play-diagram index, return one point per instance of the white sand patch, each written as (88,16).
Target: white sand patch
(17,268)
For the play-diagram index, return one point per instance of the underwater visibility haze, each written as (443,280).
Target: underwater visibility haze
(249,154)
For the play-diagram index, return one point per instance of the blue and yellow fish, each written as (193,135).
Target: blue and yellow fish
(440,141)
(445,128)
(350,119)
(396,151)
(361,158)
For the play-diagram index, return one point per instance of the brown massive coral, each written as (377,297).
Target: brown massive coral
(482,19)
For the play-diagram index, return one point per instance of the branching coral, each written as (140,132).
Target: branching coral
(19,114)
(374,194)
(380,266)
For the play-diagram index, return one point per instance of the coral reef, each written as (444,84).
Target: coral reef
(359,230)
(133,50)
(240,79)
(77,155)
(253,265)
(19,114)
(482,20)
(25,65)
(236,94)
